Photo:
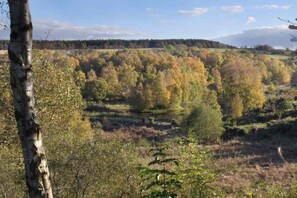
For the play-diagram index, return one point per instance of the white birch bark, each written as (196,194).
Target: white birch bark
(30,134)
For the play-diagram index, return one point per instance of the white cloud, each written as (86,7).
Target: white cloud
(251,20)
(194,12)
(271,35)
(57,30)
(61,30)
(273,7)
(232,9)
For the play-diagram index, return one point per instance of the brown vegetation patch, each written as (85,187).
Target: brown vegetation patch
(253,165)
(136,134)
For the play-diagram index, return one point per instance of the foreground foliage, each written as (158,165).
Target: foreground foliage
(159,179)
(185,176)
(194,172)
(82,164)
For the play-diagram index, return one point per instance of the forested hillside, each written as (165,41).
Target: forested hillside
(119,44)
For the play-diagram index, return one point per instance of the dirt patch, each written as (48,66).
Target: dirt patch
(137,134)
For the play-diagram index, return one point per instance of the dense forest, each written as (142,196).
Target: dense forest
(107,114)
(175,78)
(118,44)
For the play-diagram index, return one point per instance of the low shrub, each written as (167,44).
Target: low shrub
(204,123)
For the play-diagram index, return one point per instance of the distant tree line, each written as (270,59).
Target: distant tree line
(268,50)
(119,44)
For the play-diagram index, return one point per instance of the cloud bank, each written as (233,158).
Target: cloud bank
(56,30)
(274,36)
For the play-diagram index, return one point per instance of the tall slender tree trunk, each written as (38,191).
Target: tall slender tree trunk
(20,56)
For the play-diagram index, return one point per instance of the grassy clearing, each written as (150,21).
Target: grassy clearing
(248,127)
(281,57)
(221,49)
(119,107)
(131,49)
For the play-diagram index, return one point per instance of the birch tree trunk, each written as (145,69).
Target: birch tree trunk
(20,56)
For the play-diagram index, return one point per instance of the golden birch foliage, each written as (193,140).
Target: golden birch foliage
(196,69)
(214,60)
(240,77)
(80,78)
(58,102)
(161,94)
(237,107)
(278,72)
(175,97)
(110,75)
(127,78)
(217,79)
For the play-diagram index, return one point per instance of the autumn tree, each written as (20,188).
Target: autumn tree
(239,76)
(160,92)
(96,90)
(236,107)
(110,75)
(217,79)
(127,78)
(276,71)
(59,106)
(204,123)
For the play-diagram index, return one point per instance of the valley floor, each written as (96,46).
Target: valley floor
(261,163)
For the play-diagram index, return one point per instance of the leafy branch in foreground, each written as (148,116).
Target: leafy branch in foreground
(159,178)
(194,173)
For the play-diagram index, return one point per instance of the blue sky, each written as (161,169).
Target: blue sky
(246,22)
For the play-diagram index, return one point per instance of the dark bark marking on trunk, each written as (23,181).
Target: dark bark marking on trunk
(14,35)
(13,57)
(27,27)
(18,115)
(34,128)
